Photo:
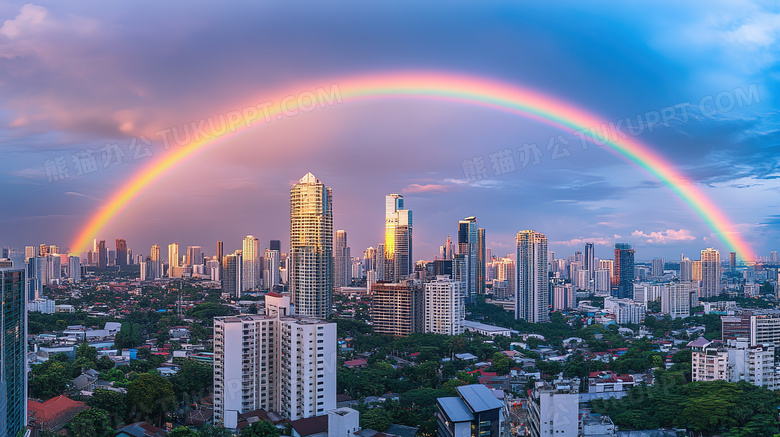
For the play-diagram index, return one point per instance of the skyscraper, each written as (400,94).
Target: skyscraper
(444,306)
(467,250)
(732,261)
(398,239)
(194,255)
(658,267)
(74,268)
(275,245)
(531,303)
(231,274)
(710,272)
(13,353)
(342,265)
(173,258)
(624,271)
(220,251)
(398,309)
(155,263)
(251,276)
(102,261)
(271,260)
(481,252)
(590,259)
(686,269)
(121,252)
(311,247)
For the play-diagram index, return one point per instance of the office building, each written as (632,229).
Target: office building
(398,239)
(275,362)
(13,353)
(474,412)
(589,261)
(155,266)
(466,263)
(732,261)
(102,255)
(531,302)
(342,261)
(444,306)
(311,247)
(251,267)
(710,272)
(121,252)
(553,408)
(623,281)
(194,256)
(398,309)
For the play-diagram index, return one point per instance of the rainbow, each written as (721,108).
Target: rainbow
(432,86)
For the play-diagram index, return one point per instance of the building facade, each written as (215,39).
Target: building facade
(398,262)
(398,309)
(310,267)
(531,302)
(444,306)
(13,352)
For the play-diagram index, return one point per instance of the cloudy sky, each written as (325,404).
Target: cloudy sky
(86,78)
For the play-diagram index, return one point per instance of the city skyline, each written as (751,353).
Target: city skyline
(719,136)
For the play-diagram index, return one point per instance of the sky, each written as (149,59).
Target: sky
(99,79)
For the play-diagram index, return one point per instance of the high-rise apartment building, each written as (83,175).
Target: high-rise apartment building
(686,269)
(155,266)
(676,299)
(13,353)
(232,274)
(533,281)
(696,271)
(710,272)
(609,265)
(398,309)
(398,239)
(657,267)
(311,247)
(252,269)
(274,362)
(342,261)
(74,268)
(736,360)
(272,261)
(772,256)
(589,261)
(623,281)
(732,261)
(444,306)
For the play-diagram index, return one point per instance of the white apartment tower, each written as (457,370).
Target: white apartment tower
(532,277)
(444,306)
(710,272)
(251,269)
(275,362)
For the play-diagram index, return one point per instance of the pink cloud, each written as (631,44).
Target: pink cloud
(663,237)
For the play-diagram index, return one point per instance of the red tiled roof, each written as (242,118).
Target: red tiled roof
(310,425)
(55,412)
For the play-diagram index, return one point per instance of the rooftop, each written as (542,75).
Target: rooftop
(455,409)
(479,398)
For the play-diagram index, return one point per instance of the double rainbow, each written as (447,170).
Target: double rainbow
(435,86)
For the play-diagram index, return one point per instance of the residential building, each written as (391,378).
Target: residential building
(342,261)
(398,309)
(553,408)
(311,247)
(710,273)
(444,306)
(531,302)
(734,361)
(676,300)
(274,362)
(232,272)
(251,276)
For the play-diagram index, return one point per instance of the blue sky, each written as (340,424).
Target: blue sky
(81,75)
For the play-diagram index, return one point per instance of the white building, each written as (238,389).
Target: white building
(74,268)
(625,310)
(553,408)
(603,282)
(271,268)
(343,422)
(444,306)
(45,306)
(251,270)
(735,361)
(676,300)
(275,362)
(564,296)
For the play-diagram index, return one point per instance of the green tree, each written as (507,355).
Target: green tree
(104,363)
(262,428)
(150,397)
(183,431)
(377,419)
(49,379)
(113,402)
(209,430)
(90,423)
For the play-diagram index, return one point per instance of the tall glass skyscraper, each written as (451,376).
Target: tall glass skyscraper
(398,239)
(13,376)
(311,247)
(624,271)
(468,249)
(533,282)
(342,261)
